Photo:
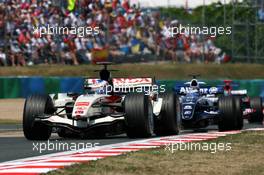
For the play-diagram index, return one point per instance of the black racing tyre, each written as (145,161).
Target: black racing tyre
(168,121)
(262,103)
(230,113)
(138,116)
(239,113)
(257,116)
(37,105)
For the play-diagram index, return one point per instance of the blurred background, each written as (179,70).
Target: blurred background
(131,31)
(133,34)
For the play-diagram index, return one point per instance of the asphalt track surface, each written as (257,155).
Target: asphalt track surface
(14,146)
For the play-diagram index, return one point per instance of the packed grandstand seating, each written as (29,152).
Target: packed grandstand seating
(126,30)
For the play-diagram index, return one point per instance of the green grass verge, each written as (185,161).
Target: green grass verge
(160,70)
(245,158)
(8,121)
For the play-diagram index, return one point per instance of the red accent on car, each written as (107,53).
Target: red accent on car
(78,116)
(82,104)
(113,98)
(78,112)
(131,80)
(228,81)
(228,86)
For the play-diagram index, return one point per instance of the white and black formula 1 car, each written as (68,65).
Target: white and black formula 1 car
(109,106)
(202,105)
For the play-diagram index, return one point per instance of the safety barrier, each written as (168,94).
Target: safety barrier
(21,87)
(18,87)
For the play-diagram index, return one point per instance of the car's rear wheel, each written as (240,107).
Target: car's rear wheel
(257,116)
(239,113)
(36,105)
(168,122)
(231,116)
(138,116)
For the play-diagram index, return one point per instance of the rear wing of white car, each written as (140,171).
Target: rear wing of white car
(121,82)
(132,82)
(122,85)
(126,85)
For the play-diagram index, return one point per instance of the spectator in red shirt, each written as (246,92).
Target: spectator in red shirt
(121,20)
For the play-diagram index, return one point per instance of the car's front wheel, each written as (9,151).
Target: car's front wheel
(36,105)
(168,121)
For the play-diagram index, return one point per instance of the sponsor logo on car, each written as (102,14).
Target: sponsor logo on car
(81,108)
(120,81)
(82,104)
(239,92)
(211,90)
(187,107)
(187,112)
(79,112)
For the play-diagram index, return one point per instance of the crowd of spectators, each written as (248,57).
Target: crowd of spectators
(125,29)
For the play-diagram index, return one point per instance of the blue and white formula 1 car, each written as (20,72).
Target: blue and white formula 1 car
(201,106)
(109,106)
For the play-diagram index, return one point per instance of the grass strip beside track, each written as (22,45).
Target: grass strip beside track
(245,157)
(9,121)
(161,70)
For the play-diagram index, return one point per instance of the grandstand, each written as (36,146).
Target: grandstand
(179,3)
(128,33)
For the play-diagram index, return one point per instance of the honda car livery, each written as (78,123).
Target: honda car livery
(109,106)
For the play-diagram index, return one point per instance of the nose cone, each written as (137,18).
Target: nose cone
(187,111)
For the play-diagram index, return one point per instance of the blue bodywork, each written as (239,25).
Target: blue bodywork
(188,104)
(198,106)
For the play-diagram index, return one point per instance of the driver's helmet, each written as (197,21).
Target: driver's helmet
(99,86)
(194,84)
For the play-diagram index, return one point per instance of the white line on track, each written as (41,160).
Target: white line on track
(46,163)
(27,170)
